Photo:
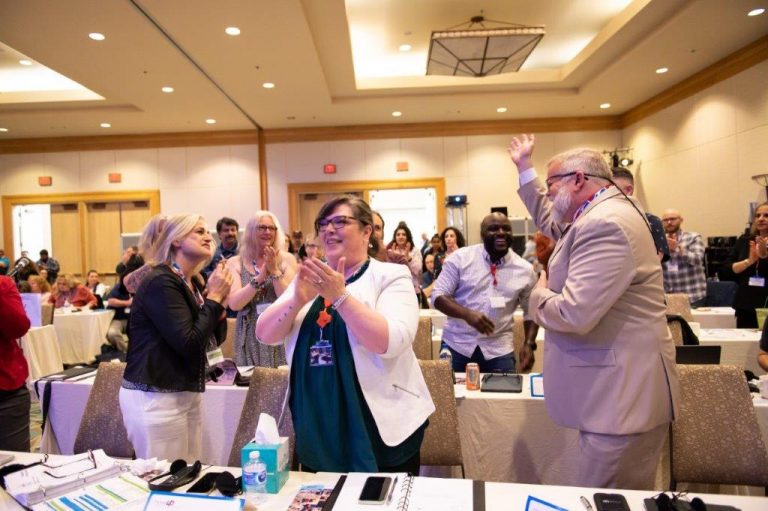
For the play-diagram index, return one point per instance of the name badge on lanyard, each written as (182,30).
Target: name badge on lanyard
(214,357)
(757,281)
(321,352)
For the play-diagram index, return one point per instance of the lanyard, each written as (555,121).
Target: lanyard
(198,297)
(587,202)
(493,274)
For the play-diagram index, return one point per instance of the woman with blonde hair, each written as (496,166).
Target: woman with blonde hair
(69,291)
(147,241)
(261,272)
(177,325)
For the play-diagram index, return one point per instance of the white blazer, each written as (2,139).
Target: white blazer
(392,383)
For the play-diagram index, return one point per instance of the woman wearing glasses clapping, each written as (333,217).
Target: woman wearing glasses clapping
(357,396)
(262,270)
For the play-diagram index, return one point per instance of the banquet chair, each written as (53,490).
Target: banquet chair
(442,443)
(46,314)
(678,304)
(716,438)
(266,394)
(102,424)
(422,345)
(228,346)
(677,332)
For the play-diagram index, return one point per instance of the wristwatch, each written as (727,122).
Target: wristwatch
(532,345)
(254,283)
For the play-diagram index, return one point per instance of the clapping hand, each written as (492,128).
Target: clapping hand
(761,247)
(316,277)
(219,283)
(520,151)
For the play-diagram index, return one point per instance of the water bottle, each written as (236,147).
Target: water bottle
(445,354)
(255,478)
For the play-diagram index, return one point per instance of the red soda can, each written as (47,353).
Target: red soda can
(473,376)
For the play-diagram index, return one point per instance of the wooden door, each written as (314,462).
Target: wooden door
(66,237)
(103,226)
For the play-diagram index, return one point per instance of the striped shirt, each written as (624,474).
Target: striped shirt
(684,271)
(467,278)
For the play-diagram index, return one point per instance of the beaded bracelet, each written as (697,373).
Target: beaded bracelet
(340,300)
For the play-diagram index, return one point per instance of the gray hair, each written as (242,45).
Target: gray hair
(586,160)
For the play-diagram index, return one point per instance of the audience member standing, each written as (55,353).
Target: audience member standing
(684,271)
(14,395)
(378,250)
(227,229)
(749,261)
(401,250)
(610,360)
(479,289)
(147,248)
(177,324)
(261,272)
(452,240)
(50,264)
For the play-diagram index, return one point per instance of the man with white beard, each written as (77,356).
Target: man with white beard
(609,357)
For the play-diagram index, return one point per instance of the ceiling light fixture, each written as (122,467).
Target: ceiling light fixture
(397,114)
(96,36)
(756,12)
(105,125)
(268,85)
(405,47)
(605,105)
(482,51)
(662,70)
(232,31)
(25,62)
(501,109)
(3,130)
(210,121)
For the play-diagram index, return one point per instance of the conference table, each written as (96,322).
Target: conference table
(81,333)
(443,494)
(41,349)
(715,317)
(504,437)
(739,346)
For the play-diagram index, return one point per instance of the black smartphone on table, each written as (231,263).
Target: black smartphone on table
(376,490)
(611,502)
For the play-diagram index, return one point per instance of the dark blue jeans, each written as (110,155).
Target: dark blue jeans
(502,364)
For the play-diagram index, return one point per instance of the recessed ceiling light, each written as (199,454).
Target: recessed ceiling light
(167,89)
(105,125)
(501,109)
(25,62)
(96,36)
(405,47)
(605,105)
(396,113)
(210,121)
(232,31)
(268,85)
(662,70)
(756,12)
(3,130)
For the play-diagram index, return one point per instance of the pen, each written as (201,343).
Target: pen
(586,503)
(392,491)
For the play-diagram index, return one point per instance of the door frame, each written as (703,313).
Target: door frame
(152,197)
(295,190)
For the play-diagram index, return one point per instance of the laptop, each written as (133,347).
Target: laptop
(700,354)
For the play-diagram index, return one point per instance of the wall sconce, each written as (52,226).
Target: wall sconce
(45,180)
(115,177)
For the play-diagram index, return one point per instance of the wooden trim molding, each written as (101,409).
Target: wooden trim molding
(82,199)
(723,69)
(150,140)
(443,129)
(263,184)
(295,190)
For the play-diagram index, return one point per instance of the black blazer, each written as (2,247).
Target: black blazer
(169,333)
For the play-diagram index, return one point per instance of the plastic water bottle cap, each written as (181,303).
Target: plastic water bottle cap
(254,455)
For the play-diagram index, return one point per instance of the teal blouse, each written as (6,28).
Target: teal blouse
(335,430)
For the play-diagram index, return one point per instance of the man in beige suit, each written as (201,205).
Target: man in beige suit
(608,355)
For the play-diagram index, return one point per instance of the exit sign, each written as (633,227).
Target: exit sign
(329,168)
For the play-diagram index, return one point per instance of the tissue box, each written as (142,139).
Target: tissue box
(275,457)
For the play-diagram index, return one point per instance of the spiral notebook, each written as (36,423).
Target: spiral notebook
(416,494)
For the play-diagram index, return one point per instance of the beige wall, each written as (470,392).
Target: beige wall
(213,181)
(698,155)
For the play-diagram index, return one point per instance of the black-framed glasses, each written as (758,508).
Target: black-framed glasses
(267,228)
(557,177)
(338,222)
(70,467)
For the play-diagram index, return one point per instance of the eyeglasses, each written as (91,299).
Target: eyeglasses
(68,468)
(338,222)
(267,228)
(551,180)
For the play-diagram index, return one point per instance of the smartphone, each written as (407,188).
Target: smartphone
(204,484)
(376,490)
(610,502)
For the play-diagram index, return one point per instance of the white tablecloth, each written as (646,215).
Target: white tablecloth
(715,317)
(81,334)
(739,346)
(41,349)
